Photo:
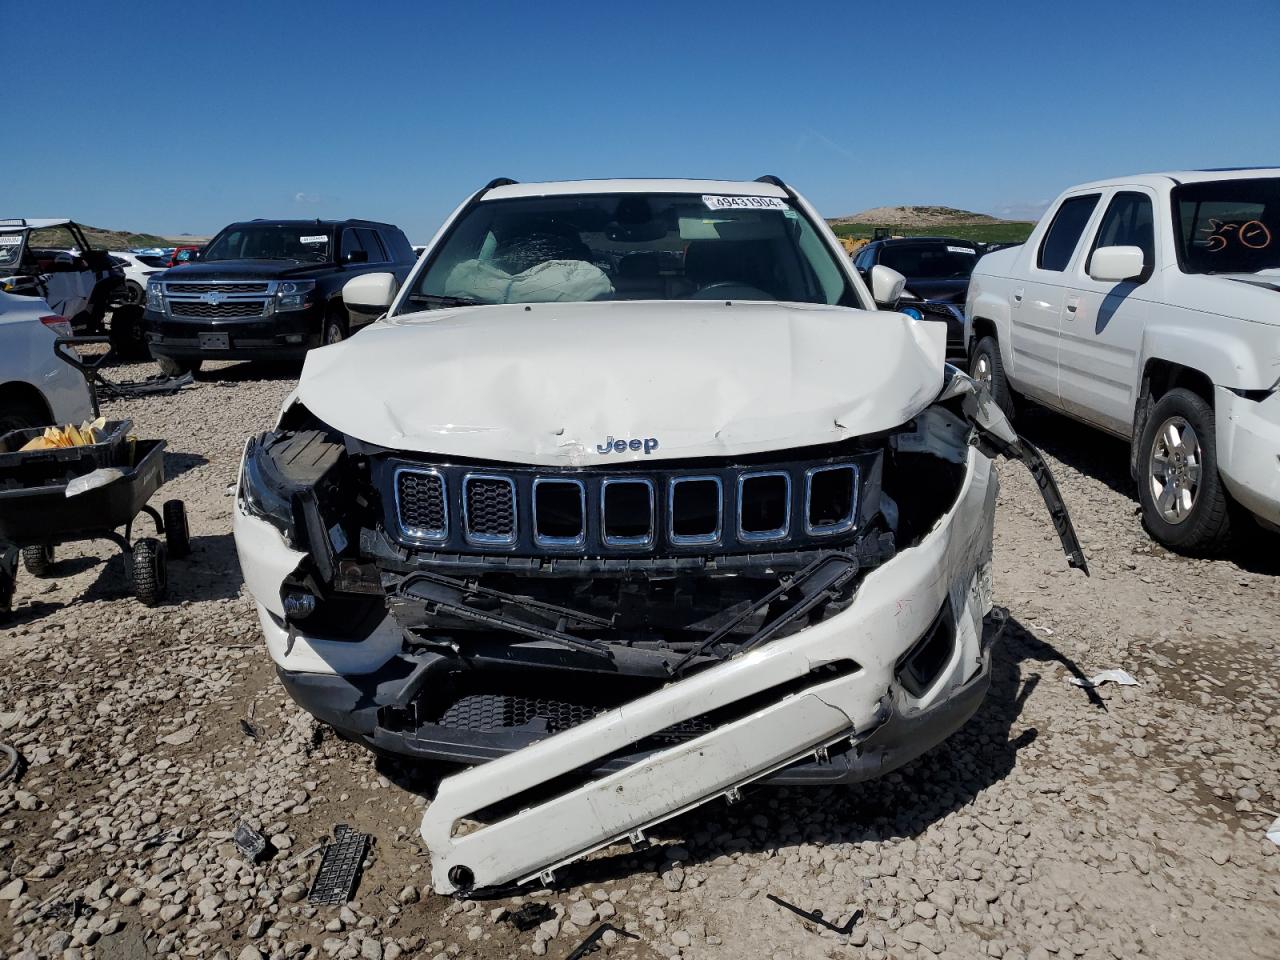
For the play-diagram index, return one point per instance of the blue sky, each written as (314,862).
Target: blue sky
(183,117)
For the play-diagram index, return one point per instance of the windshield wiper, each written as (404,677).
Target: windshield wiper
(443,301)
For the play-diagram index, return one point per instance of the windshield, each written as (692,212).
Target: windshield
(270,242)
(1228,226)
(631,246)
(10,249)
(930,261)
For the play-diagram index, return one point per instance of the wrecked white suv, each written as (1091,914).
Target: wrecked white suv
(631,498)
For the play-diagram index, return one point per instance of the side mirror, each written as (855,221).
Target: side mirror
(1114,264)
(886,285)
(356,256)
(371,293)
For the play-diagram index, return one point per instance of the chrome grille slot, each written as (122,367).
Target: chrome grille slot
(695,510)
(219,286)
(489,508)
(214,311)
(764,505)
(421,504)
(559,512)
(626,511)
(830,499)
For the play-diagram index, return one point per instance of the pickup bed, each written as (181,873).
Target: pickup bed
(1149,307)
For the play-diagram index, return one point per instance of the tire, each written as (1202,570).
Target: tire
(38,560)
(22,414)
(176,366)
(177,535)
(150,572)
(1185,505)
(986,367)
(336,328)
(134,295)
(128,333)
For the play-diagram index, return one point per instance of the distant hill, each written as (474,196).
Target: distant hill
(99,238)
(909,221)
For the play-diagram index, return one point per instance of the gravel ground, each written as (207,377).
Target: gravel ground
(1127,821)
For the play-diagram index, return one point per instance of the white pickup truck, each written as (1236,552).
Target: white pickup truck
(1149,307)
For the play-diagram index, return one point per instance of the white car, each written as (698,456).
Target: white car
(137,268)
(634,493)
(1149,307)
(36,388)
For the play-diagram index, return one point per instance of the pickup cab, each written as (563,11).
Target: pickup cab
(1149,307)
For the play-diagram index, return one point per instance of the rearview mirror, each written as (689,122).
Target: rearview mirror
(1114,264)
(371,293)
(886,285)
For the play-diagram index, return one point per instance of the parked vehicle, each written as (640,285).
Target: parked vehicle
(137,268)
(629,470)
(36,388)
(267,289)
(937,271)
(1149,307)
(188,253)
(52,260)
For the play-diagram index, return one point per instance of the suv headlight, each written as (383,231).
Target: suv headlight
(155,296)
(293,294)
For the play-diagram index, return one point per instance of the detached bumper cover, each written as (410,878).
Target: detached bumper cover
(1249,451)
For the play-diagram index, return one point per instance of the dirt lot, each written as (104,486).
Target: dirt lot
(1062,823)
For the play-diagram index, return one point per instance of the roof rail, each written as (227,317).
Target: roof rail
(498,182)
(778,182)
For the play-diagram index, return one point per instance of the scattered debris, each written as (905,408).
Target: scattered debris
(815,916)
(1121,677)
(339,872)
(176,835)
(251,843)
(527,917)
(1273,831)
(12,761)
(249,729)
(592,943)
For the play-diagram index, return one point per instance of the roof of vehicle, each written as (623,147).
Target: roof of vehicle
(283,222)
(1184,176)
(903,241)
(744,188)
(34,223)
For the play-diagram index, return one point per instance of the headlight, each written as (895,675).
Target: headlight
(293,294)
(263,491)
(155,296)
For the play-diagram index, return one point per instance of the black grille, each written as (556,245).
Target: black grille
(218,287)
(558,511)
(193,308)
(488,712)
(628,511)
(490,508)
(422,510)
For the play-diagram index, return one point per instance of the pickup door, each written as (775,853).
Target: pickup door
(1103,321)
(1036,300)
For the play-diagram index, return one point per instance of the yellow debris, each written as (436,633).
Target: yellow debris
(53,438)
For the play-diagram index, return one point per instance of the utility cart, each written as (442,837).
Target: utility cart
(96,491)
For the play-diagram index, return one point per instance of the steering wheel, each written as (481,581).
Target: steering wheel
(730,290)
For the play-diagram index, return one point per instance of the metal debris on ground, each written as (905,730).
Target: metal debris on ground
(1122,677)
(176,835)
(592,943)
(340,867)
(11,761)
(248,729)
(527,917)
(158,385)
(815,916)
(250,842)
(1273,832)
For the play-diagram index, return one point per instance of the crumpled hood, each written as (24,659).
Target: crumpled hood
(550,384)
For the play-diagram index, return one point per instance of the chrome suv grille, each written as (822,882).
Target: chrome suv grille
(602,512)
(216,311)
(221,287)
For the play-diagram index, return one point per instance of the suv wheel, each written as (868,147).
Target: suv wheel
(335,328)
(987,368)
(1184,502)
(176,366)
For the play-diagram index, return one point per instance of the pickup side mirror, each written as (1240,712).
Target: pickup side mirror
(1115,264)
(356,256)
(371,293)
(886,285)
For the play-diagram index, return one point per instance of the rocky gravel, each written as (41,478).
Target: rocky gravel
(1060,823)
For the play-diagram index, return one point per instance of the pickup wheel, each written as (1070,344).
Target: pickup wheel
(986,367)
(175,366)
(1184,502)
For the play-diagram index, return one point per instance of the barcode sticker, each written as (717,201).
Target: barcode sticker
(321,238)
(968,250)
(10,239)
(743,203)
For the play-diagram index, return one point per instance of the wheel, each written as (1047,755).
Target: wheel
(987,368)
(21,414)
(128,333)
(176,366)
(38,560)
(177,535)
(150,571)
(335,328)
(133,293)
(1184,502)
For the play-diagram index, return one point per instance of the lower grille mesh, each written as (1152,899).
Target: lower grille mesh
(421,497)
(490,508)
(233,308)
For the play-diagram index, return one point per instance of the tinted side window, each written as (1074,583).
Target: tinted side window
(1064,232)
(369,239)
(350,243)
(397,245)
(1128,222)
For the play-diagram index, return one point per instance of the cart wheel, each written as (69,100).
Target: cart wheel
(38,560)
(150,571)
(176,533)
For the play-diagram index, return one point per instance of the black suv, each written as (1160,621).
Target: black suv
(267,289)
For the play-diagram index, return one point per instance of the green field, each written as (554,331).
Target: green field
(999,232)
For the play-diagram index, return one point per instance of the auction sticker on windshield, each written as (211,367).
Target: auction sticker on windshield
(316,239)
(10,239)
(968,250)
(743,203)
